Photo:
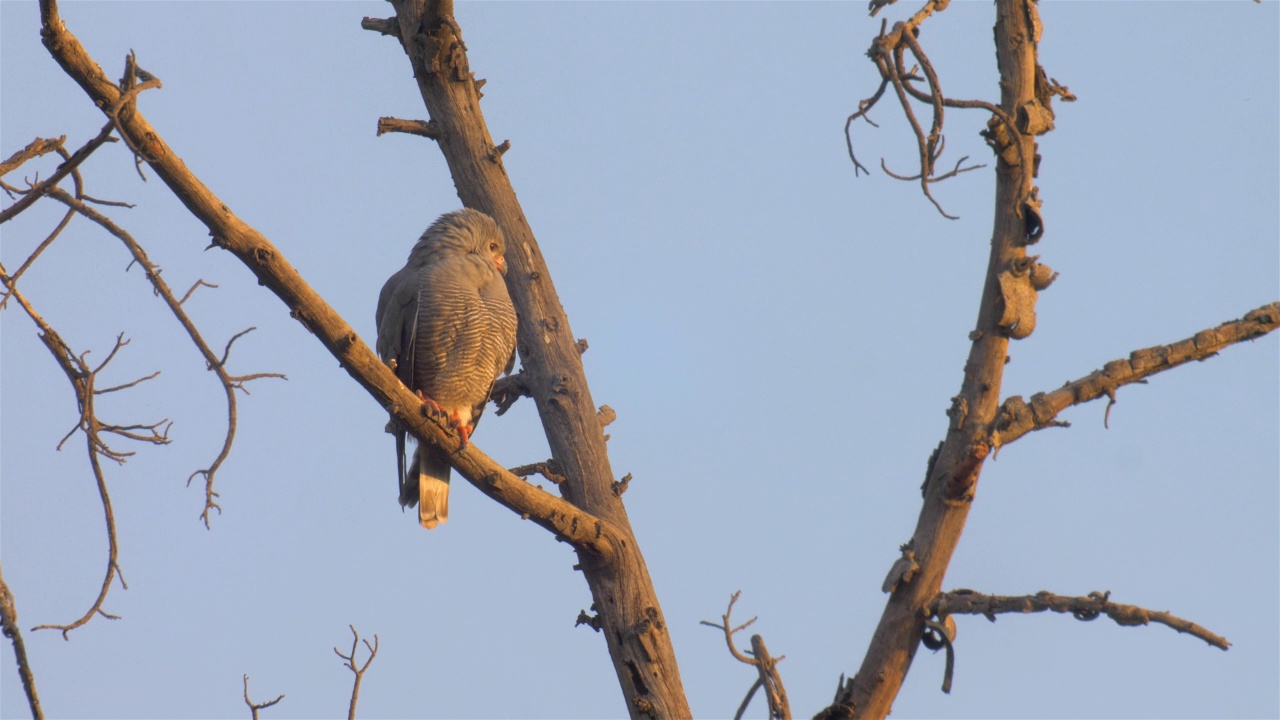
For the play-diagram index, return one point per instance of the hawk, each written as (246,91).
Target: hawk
(447,327)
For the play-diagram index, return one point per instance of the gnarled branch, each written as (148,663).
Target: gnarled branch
(1090,607)
(1018,417)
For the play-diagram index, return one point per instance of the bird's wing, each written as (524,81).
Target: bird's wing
(396,316)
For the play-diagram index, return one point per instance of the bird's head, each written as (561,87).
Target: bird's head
(462,232)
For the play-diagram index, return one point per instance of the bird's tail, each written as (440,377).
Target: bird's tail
(427,485)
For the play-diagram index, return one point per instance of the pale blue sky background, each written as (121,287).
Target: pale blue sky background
(779,339)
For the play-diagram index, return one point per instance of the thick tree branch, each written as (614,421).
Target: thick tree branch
(595,536)
(630,615)
(1017,417)
(968,602)
(953,475)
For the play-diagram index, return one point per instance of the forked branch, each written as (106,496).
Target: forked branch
(758,657)
(217,365)
(255,707)
(358,670)
(83,378)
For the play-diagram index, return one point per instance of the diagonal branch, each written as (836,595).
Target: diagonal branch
(582,529)
(1090,607)
(69,165)
(1018,417)
(636,634)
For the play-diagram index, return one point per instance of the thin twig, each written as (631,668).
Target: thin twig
(359,671)
(63,170)
(546,469)
(255,707)
(217,365)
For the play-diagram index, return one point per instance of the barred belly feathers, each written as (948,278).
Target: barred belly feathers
(447,327)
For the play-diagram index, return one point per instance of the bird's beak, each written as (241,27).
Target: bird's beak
(500,262)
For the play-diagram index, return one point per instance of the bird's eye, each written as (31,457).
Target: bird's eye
(493,247)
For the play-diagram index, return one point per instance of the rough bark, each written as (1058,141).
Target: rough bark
(953,479)
(624,598)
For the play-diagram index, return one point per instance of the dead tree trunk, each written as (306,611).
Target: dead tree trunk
(628,613)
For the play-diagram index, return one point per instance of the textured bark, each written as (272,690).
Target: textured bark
(624,598)
(953,478)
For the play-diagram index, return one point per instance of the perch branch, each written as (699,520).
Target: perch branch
(1018,417)
(1090,607)
(584,530)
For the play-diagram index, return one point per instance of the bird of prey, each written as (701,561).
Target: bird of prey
(447,327)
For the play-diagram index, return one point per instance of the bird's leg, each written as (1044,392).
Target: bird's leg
(464,432)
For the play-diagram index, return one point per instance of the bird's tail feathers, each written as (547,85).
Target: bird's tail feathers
(432,487)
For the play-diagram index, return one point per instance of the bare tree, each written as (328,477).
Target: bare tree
(588,512)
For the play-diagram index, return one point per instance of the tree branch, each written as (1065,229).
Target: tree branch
(766,665)
(82,379)
(1017,417)
(953,476)
(595,536)
(9,624)
(215,364)
(255,707)
(360,670)
(630,615)
(968,602)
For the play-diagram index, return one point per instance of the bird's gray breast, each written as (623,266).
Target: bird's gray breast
(465,331)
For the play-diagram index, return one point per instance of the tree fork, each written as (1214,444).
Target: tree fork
(953,480)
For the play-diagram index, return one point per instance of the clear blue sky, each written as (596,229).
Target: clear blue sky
(779,339)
